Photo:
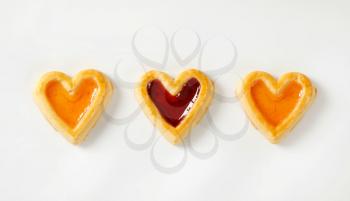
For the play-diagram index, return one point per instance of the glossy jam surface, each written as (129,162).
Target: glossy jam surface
(71,106)
(275,107)
(174,108)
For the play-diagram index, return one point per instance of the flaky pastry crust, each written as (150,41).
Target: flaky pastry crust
(91,114)
(274,133)
(175,134)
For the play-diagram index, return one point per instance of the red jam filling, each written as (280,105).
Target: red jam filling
(174,108)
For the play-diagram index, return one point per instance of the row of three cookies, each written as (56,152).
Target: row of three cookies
(73,105)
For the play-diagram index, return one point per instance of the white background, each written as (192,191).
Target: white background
(312,163)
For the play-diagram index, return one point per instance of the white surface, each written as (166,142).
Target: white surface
(312,163)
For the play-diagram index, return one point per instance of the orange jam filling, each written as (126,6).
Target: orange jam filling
(276,107)
(71,106)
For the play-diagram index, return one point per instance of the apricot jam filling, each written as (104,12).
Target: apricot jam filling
(174,108)
(71,106)
(275,107)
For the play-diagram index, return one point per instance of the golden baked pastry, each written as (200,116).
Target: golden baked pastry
(73,105)
(174,106)
(275,106)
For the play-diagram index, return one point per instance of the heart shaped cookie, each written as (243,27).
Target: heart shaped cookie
(73,105)
(175,106)
(275,106)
